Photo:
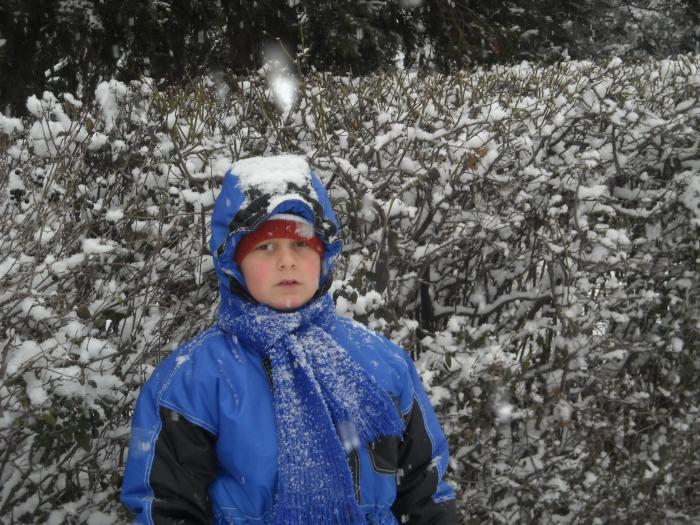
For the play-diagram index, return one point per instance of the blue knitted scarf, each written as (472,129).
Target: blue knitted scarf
(325,405)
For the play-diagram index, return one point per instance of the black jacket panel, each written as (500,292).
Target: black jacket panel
(184,466)
(417,478)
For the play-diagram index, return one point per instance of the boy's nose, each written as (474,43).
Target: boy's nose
(287,259)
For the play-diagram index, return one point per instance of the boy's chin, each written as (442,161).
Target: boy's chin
(285,310)
(288,304)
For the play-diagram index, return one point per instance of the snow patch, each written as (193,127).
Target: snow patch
(272,175)
(95,246)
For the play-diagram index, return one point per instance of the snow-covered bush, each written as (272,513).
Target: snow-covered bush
(529,234)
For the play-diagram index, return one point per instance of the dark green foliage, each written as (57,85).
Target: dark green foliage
(70,45)
(358,36)
(464,32)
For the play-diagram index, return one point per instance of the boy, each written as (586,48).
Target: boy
(282,412)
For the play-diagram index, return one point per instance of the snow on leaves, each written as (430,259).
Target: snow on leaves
(529,233)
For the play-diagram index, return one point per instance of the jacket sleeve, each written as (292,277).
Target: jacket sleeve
(170,466)
(423,497)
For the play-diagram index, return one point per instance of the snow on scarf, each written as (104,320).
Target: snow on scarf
(325,405)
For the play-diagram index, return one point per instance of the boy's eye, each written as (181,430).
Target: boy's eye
(265,246)
(300,244)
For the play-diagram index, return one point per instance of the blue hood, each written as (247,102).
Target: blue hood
(254,190)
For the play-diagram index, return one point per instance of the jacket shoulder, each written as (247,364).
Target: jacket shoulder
(348,331)
(187,380)
(387,362)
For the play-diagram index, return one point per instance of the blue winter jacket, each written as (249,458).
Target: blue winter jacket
(204,443)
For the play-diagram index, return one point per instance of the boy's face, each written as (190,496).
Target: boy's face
(282,273)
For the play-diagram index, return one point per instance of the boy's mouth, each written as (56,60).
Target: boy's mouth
(287,283)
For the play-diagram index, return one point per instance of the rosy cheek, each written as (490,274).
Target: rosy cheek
(259,272)
(312,266)
(255,273)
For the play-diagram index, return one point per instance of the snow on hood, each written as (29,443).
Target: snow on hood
(257,188)
(272,175)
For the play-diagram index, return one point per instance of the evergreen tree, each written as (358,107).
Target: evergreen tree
(354,35)
(70,45)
